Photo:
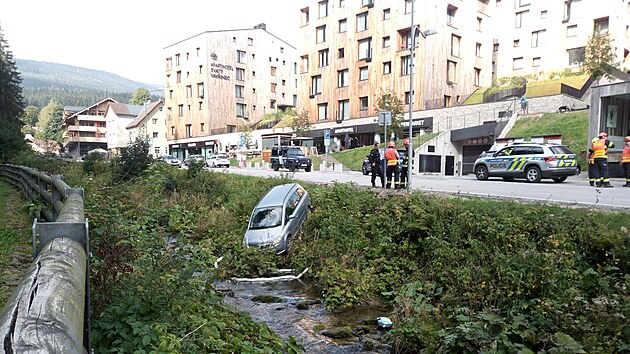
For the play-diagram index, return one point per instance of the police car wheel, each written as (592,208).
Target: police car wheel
(291,167)
(481,172)
(364,170)
(308,169)
(275,166)
(532,174)
(559,179)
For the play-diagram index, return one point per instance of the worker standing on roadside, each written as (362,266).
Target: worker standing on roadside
(375,162)
(600,151)
(392,158)
(592,169)
(405,171)
(625,160)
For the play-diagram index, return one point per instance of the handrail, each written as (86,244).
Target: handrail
(508,92)
(49,310)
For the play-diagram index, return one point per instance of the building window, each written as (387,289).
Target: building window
(362,22)
(284,82)
(405,39)
(240,74)
(342,3)
(517,63)
(368,2)
(240,56)
(323,58)
(200,106)
(407,97)
(385,41)
(169,63)
(363,103)
(517,43)
(180,110)
(304,18)
(272,104)
(479,24)
(240,110)
(387,14)
(250,41)
(202,127)
(477,77)
(408,6)
(536,62)
(344,110)
(172,130)
(576,56)
(523,2)
(231,128)
(188,91)
(387,67)
(322,111)
(200,90)
(273,87)
(239,90)
(538,38)
(451,71)
(176,59)
(600,27)
(154,121)
(363,73)
(521,18)
(178,77)
(447,101)
(320,34)
(341,52)
(572,31)
(450,14)
(478,50)
(567,10)
(365,48)
(543,14)
(405,65)
(323,8)
(189,130)
(343,78)
(316,85)
(455,41)
(343,25)
(304,64)
(495,47)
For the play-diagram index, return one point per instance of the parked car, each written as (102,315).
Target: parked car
(367,166)
(194,158)
(170,160)
(278,217)
(532,161)
(219,160)
(291,157)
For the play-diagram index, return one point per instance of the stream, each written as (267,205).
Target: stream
(295,311)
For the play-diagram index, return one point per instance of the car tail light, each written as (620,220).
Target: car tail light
(550,158)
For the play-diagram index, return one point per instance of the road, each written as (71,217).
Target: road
(574,191)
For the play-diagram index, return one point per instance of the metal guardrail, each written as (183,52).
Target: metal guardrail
(508,92)
(49,310)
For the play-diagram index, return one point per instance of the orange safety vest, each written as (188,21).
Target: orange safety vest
(625,156)
(600,149)
(392,157)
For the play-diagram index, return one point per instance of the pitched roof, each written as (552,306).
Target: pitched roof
(123,109)
(144,114)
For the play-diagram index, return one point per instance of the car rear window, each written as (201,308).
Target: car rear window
(560,150)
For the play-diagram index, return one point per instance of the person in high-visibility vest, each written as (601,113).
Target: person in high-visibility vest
(405,171)
(600,151)
(625,160)
(592,169)
(391,160)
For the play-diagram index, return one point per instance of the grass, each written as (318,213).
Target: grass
(573,126)
(10,238)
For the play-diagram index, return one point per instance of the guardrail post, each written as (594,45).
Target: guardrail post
(56,194)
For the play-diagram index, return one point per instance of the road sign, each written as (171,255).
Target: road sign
(384,118)
(326,137)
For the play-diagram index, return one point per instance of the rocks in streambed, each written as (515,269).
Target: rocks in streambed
(267,299)
(338,332)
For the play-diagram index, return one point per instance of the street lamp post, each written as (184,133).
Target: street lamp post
(424,34)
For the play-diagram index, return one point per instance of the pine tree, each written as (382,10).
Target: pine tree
(11,104)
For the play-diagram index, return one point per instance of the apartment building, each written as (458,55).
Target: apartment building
(86,128)
(118,116)
(540,36)
(218,80)
(151,125)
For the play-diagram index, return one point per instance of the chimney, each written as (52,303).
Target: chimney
(262,26)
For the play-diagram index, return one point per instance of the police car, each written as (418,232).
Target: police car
(532,161)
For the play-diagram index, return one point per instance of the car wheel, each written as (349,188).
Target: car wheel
(481,172)
(288,244)
(308,169)
(532,174)
(559,179)
(275,166)
(508,179)
(364,170)
(291,167)
(227,166)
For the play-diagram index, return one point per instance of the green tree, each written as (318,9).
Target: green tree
(46,130)
(599,58)
(141,96)
(11,104)
(30,116)
(133,160)
(389,101)
(301,123)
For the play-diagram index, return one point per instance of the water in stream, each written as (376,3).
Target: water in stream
(305,325)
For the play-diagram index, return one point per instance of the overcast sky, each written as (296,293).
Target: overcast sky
(127,37)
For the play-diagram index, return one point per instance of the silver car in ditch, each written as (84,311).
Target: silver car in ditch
(278,217)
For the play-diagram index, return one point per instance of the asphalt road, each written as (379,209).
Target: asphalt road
(574,191)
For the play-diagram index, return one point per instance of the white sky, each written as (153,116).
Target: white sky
(127,37)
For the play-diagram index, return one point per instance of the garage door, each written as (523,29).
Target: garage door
(470,154)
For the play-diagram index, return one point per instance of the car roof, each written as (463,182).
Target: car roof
(276,195)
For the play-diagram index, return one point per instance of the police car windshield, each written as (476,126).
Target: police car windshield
(295,152)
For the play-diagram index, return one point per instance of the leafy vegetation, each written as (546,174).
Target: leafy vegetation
(599,57)
(390,101)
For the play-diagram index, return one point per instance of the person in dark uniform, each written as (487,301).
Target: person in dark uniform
(375,161)
(405,171)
